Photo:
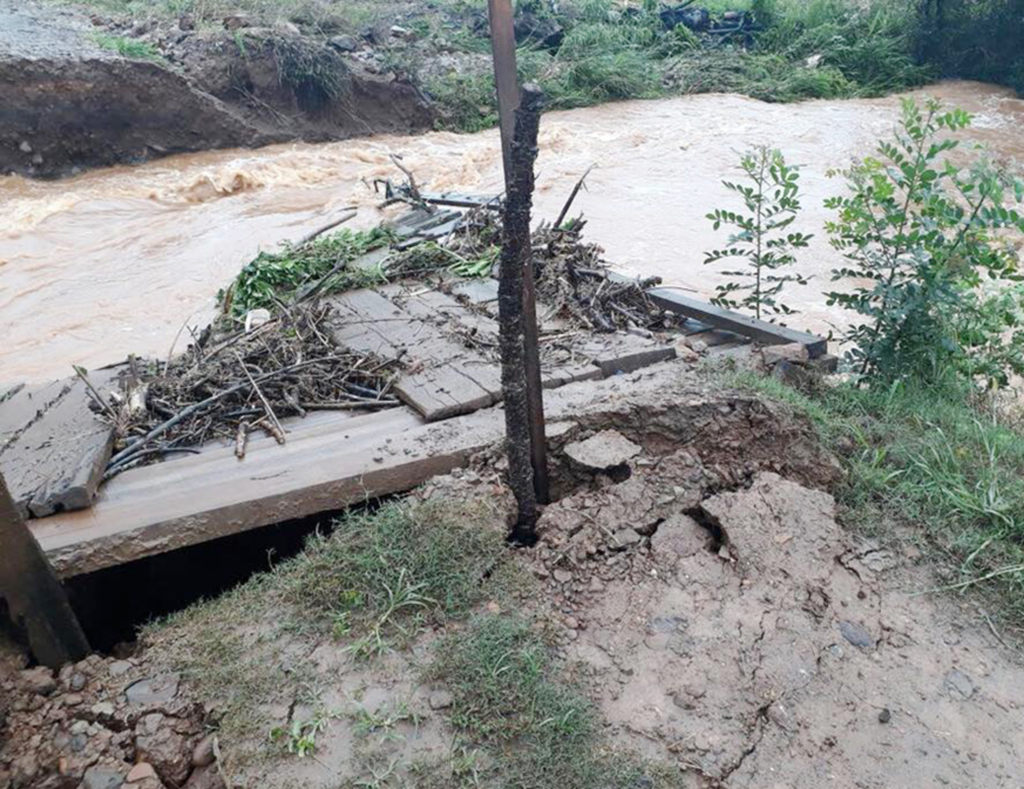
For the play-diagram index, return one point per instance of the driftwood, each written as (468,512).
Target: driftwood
(276,370)
(329,226)
(580,184)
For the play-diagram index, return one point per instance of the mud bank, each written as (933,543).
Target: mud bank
(68,103)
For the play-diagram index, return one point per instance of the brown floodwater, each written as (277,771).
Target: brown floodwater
(117,261)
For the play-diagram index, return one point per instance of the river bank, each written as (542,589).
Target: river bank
(92,83)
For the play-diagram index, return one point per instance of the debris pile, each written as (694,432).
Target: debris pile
(576,284)
(230,386)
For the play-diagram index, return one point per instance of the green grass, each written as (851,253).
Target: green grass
(538,729)
(273,278)
(946,470)
(244,650)
(128,47)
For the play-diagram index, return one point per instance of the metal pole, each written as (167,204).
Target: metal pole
(503,44)
(35,598)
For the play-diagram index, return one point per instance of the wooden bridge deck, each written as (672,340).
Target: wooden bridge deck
(53,447)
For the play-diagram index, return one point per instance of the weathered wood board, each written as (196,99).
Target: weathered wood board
(53,448)
(710,315)
(330,462)
(442,379)
(435,334)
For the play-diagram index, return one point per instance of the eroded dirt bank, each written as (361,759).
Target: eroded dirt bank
(68,103)
(693,579)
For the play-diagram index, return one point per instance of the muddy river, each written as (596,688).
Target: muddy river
(117,261)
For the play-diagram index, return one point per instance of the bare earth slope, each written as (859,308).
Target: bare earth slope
(66,103)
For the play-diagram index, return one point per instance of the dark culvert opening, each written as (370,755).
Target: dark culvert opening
(113,603)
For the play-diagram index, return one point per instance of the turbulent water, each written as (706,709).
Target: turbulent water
(118,261)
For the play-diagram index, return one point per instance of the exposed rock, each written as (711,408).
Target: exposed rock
(563,576)
(203,754)
(119,668)
(624,538)
(140,772)
(679,535)
(959,685)
(156,690)
(237,21)
(441,700)
(343,43)
(603,450)
(791,352)
(38,680)
(102,778)
(169,752)
(205,778)
(539,31)
(284,27)
(856,634)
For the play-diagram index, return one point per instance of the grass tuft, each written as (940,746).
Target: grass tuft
(128,47)
(246,650)
(508,698)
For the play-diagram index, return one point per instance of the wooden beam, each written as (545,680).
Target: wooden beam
(35,598)
(332,460)
(710,315)
(458,200)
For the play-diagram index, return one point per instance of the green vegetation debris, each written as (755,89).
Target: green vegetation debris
(273,278)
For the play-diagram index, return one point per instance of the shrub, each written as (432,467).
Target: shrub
(922,232)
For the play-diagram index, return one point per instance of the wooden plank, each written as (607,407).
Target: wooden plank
(330,462)
(55,462)
(442,309)
(482,292)
(624,353)
(459,200)
(418,221)
(443,379)
(35,601)
(25,405)
(763,332)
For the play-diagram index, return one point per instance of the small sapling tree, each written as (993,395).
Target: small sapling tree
(772,200)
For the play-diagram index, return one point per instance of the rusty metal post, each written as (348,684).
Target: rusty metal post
(35,598)
(503,45)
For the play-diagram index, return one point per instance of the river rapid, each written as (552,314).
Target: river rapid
(118,261)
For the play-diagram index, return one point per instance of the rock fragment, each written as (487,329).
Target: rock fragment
(856,634)
(603,450)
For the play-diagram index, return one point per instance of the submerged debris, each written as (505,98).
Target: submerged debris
(245,381)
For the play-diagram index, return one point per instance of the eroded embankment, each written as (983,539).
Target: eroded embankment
(67,103)
(692,580)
